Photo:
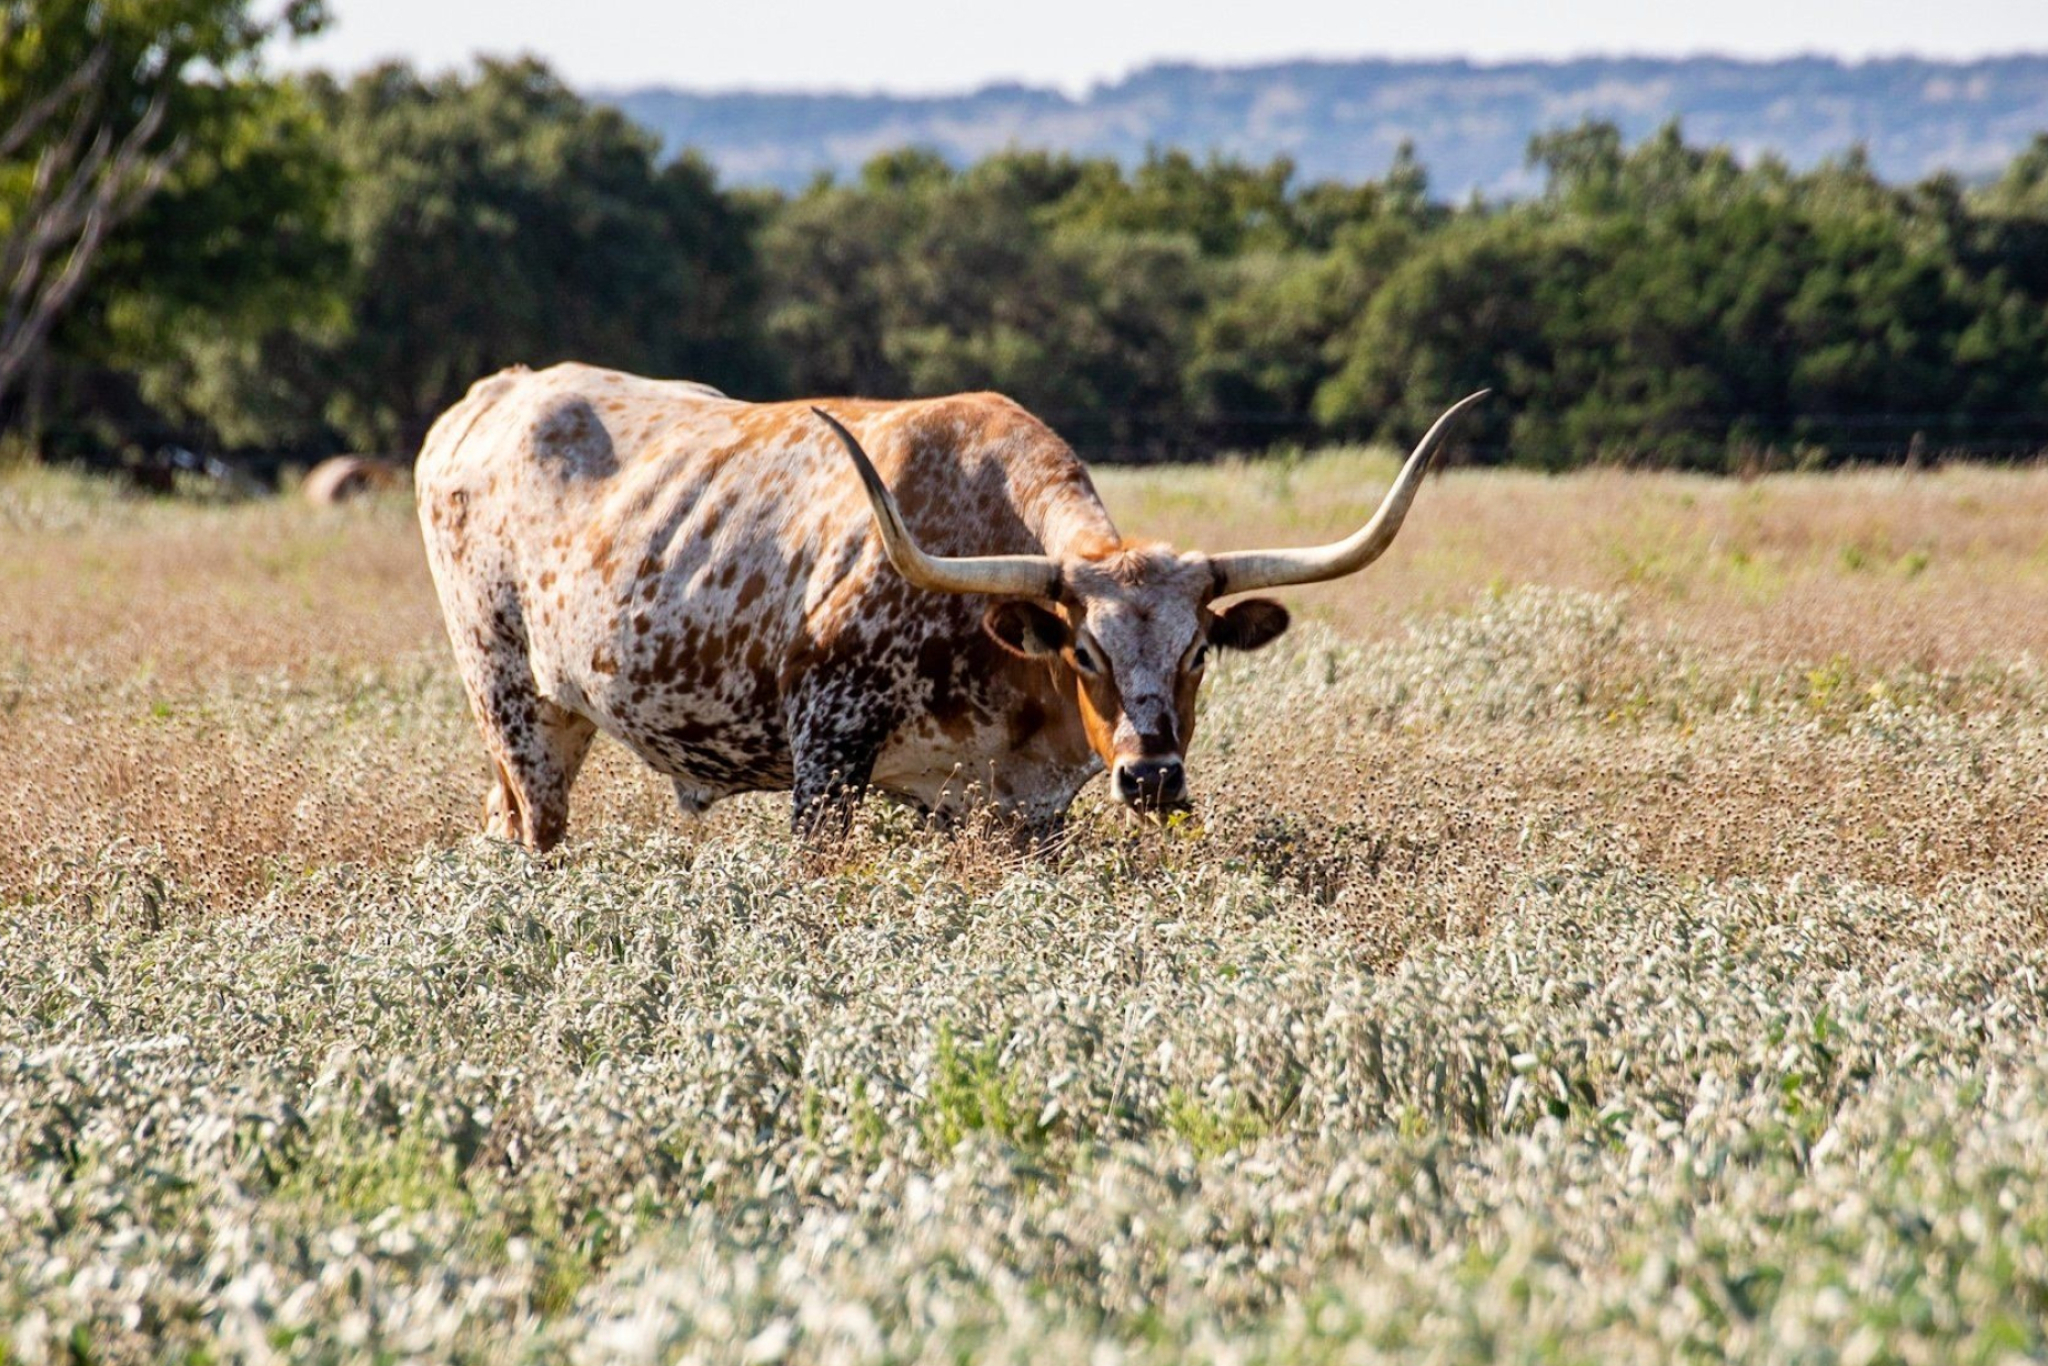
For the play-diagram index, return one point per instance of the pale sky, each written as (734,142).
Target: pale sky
(928,46)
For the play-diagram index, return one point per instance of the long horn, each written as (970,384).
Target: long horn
(1240,571)
(1010,576)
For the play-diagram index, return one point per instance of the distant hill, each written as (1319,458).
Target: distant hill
(1344,119)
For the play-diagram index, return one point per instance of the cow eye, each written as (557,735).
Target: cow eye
(1198,658)
(1086,658)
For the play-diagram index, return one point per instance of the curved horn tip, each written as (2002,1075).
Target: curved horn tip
(834,423)
(1244,570)
(1444,420)
(1462,404)
(861,464)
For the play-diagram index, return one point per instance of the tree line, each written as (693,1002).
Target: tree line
(195,249)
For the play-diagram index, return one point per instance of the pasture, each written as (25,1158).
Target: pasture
(1616,928)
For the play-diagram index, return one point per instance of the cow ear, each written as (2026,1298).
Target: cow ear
(1249,625)
(1025,628)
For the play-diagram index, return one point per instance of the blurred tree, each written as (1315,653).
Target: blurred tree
(1665,304)
(1462,311)
(828,258)
(335,263)
(1276,321)
(921,280)
(148,172)
(1583,165)
(1224,206)
(491,220)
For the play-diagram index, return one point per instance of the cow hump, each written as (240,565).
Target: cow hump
(570,437)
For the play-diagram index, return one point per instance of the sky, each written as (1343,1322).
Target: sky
(932,46)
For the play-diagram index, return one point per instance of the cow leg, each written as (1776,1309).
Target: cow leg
(536,750)
(835,735)
(691,799)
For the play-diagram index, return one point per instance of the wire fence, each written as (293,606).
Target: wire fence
(1168,435)
(1688,439)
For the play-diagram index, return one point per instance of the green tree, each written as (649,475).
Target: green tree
(494,219)
(150,176)
(1664,304)
(1224,206)
(1276,323)
(917,279)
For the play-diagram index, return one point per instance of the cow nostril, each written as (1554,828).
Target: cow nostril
(1151,782)
(1172,781)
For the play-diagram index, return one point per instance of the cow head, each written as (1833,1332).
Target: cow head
(1131,632)
(1131,628)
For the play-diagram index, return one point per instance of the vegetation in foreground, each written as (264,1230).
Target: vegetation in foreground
(1567,969)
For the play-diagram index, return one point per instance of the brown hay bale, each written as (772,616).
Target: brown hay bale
(344,478)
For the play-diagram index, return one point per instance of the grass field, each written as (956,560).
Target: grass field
(1617,929)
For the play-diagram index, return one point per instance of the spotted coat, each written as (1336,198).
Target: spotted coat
(700,578)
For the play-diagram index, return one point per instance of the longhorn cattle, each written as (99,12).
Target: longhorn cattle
(732,590)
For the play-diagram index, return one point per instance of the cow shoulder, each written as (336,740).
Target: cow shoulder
(1030,491)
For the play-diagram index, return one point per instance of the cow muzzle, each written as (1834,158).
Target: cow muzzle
(1158,784)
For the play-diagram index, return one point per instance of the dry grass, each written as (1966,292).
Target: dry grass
(1616,931)
(261,689)
(1935,569)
